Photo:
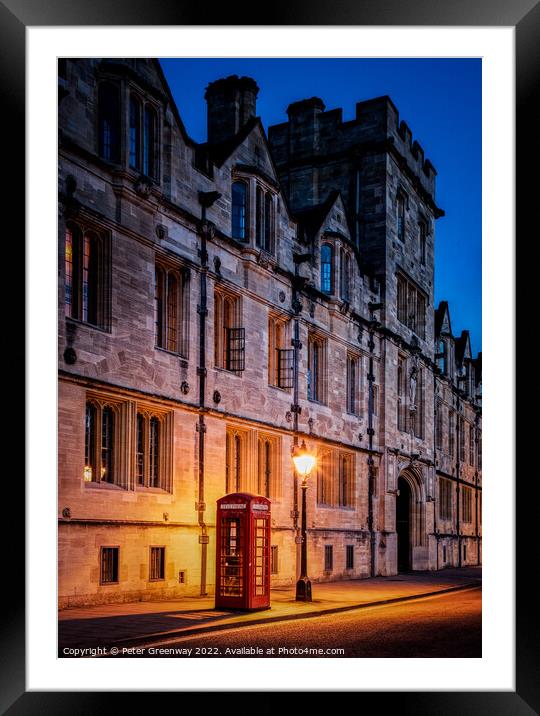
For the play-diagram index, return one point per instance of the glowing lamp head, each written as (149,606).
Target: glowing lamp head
(304,462)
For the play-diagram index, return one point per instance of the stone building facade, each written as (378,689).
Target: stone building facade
(220,302)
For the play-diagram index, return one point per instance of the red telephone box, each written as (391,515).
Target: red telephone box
(243,552)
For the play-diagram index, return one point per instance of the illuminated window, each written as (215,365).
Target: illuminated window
(327,269)
(239,210)
(149,450)
(86,271)
(100,442)
(109,121)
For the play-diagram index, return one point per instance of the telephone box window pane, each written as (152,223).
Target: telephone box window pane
(231,581)
(261,557)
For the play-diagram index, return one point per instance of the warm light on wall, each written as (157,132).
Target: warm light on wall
(304,462)
(87,473)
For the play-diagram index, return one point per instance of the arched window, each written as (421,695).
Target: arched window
(259,223)
(134,133)
(268,220)
(107,444)
(149,142)
(441,357)
(239,210)
(109,121)
(327,268)
(170,309)
(84,276)
(345,275)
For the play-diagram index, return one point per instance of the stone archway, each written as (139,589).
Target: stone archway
(412,547)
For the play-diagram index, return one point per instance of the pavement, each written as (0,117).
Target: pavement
(138,623)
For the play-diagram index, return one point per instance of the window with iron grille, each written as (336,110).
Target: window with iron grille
(328,557)
(274,559)
(157,563)
(349,556)
(109,565)
(445,499)
(171,304)
(86,275)
(229,337)
(280,357)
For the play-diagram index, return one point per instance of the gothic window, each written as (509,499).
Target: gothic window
(86,270)
(439,420)
(345,275)
(264,220)
(101,422)
(353,373)
(316,373)
(451,433)
(171,308)
(479,450)
(229,337)
(411,306)
(268,460)
(422,235)
(345,480)
(400,218)
(327,268)
(149,142)
(461,438)
(471,445)
(134,133)
(280,354)
(325,491)
(149,450)
(445,499)
(268,218)
(239,210)
(235,460)
(402,394)
(418,415)
(109,121)
(466,504)
(441,357)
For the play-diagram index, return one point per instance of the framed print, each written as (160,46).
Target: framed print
(265,425)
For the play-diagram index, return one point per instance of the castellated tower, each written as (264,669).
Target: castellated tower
(388,189)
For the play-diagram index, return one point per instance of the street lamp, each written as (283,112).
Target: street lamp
(304,463)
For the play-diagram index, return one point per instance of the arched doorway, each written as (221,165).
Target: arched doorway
(403,525)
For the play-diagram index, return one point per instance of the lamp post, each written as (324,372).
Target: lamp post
(303,463)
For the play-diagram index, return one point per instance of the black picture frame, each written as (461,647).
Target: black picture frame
(15,16)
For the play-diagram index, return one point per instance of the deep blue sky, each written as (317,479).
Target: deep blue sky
(441,101)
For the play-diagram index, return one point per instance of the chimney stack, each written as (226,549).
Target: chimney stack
(231,102)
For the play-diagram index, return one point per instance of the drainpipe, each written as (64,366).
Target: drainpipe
(206,199)
(435,481)
(297,284)
(476,421)
(370,431)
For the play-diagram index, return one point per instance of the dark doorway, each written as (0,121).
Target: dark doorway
(403,523)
